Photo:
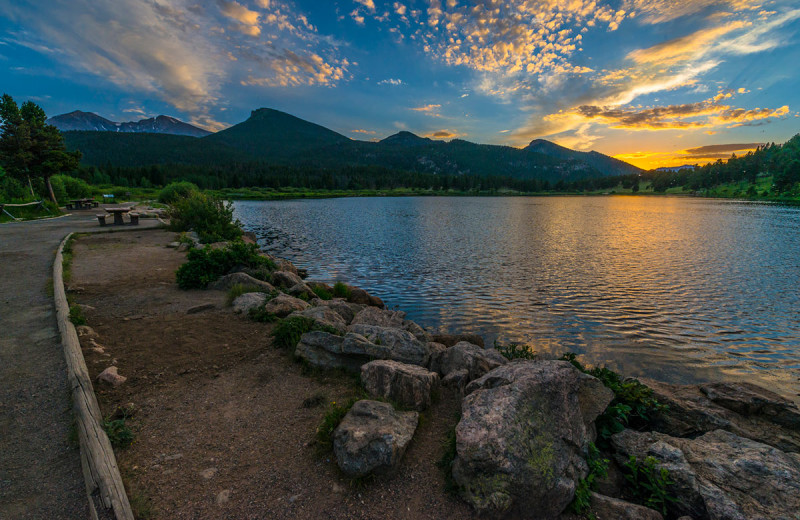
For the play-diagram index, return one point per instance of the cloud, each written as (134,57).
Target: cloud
(431,110)
(391,81)
(369,4)
(698,155)
(660,11)
(722,148)
(248,20)
(443,134)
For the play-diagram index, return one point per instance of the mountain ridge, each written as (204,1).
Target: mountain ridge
(270,136)
(89,121)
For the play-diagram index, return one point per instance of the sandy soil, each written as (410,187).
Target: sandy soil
(221,430)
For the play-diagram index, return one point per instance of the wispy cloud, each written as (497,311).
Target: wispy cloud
(430,110)
(391,81)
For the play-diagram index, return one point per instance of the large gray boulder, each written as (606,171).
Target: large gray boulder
(229,280)
(408,385)
(285,279)
(404,345)
(324,316)
(524,432)
(741,408)
(243,304)
(347,311)
(301,290)
(372,438)
(391,320)
(362,297)
(465,356)
(720,475)
(324,350)
(282,305)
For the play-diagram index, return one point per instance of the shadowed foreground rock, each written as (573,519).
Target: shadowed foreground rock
(372,438)
(247,301)
(608,508)
(741,408)
(407,385)
(324,350)
(283,305)
(524,431)
(720,475)
(464,362)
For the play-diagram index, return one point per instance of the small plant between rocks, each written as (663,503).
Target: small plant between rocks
(333,417)
(598,469)
(341,290)
(649,483)
(76,315)
(239,289)
(515,351)
(322,293)
(288,332)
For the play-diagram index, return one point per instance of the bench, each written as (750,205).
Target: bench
(134,218)
(102,219)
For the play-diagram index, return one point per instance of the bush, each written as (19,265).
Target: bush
(649,483)
(12,190)
(288,332)
(211,218)
(76,315)
(175,191)
(633,404)
(322,292)
(598,468)
(341,290)
(69,188)
(205,265)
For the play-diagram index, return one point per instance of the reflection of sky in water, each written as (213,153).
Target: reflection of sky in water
(678,289)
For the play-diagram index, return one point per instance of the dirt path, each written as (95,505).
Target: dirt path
(40,472)
(223,428)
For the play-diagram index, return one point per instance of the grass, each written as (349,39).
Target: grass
(288,332)
(341,290)
(119,434)
(322,292)
(238,290)
(76,315)
(598,469)
(515,351)
(261,315)
(333,417)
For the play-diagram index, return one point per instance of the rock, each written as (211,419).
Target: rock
(229,280)
(607,508)
(360,296)
(403,345)
(301,289)
(389,319)
(200,308)
(248,237)
(174,245)
(285,279)
(208,473)
(372,438)
(223,497)
(324,316)
(320,285)
(324,350)
(182,248)
(457,379)
(287,266)
(85,331)
(408,385)
(450,340)
(741,408)
(523,435)
(720,475)
(346,310)
(283,305)
(466,356)
(111,377)
(247,301)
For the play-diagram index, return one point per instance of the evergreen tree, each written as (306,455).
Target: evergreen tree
(29,147)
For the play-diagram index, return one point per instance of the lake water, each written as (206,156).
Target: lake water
(680,289)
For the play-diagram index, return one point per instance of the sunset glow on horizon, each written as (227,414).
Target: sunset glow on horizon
(651,82)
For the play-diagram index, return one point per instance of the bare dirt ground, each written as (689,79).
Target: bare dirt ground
(220,429)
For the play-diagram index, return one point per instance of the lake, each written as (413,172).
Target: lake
(679,289)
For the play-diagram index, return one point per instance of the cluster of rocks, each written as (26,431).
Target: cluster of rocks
(732,450)
(110,376)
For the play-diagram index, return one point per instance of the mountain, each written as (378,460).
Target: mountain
(270,137)
(78,120)
(675,168)
(596,159)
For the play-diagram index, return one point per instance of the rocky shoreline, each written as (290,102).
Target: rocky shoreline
(525,444)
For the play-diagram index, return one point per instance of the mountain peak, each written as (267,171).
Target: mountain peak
(79,120)
(405,138)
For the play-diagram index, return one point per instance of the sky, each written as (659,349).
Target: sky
(652,82)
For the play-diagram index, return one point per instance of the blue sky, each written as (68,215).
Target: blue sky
(654,82)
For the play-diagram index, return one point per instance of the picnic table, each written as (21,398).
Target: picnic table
(118,212)
(82,204)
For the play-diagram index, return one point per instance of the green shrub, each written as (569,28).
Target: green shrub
(12,190)
(341,290)
(211,218)
(333,417)
(76,315)
(175,191)
(633,405)
(69,188)
(260,314)
(203,266)
(288,332)
(118,432)
(598,468)
(322,292)
(649,484)
(515,351)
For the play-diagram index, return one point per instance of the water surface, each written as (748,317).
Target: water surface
(683,290)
